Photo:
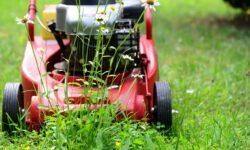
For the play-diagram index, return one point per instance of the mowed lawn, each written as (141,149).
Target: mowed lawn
(204,52)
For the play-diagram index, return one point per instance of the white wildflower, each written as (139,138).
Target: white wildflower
(137,76)
(150,3)
(175,111)
(86,83)
(40,49)
(24,20)
(189,91)
(101,17)
(103,30)
(127,57)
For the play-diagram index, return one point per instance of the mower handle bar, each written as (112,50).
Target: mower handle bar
(148,23)
(32,15)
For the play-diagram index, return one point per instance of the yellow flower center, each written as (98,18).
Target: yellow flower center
(150,2)
(103,12)
(112,8)
(103,28)
(99,19)
(24,20)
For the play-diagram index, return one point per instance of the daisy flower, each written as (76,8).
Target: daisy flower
(101,17)
(103,30)
(150,3)
(127,57)
(189,91)
(175,111)
(24,20)
(40,49)
(137,76)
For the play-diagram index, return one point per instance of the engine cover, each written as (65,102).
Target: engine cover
(82,20)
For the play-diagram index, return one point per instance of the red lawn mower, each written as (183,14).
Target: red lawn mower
(55,69)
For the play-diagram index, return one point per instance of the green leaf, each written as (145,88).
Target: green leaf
(138,142)
(150,144)
(43,106)
(99,139)
(126,145)
(75,84)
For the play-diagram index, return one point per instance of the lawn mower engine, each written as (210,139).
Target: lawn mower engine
(103,34)
(95,41)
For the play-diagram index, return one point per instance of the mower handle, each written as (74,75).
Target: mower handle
(32,15)
(148,23)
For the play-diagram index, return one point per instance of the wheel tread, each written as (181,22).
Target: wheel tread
(10,106)
(163,103)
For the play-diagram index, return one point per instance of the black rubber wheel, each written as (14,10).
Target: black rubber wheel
(12,106)
(162,112)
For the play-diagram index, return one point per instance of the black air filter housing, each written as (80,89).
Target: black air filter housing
(133,9)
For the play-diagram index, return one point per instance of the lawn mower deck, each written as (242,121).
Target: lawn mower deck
(50,84)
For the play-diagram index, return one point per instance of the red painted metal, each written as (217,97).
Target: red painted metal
(149,23)
(32,15)
(134,95)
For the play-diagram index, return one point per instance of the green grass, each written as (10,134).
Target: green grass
(200,50)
